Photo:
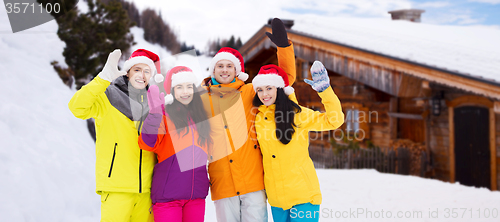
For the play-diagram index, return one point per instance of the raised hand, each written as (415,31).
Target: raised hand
(279,36)
(320,81)
(156,100)
(110,71)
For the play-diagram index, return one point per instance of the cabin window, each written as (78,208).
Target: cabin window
(305,70)
(352,120)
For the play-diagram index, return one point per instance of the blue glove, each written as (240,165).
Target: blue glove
(320,81)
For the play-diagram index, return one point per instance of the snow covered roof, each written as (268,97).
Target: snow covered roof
(470,51)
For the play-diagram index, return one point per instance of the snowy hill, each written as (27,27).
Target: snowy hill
(47,157)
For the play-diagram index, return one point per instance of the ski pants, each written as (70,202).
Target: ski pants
(250,207)
(180,211)
(301,212)
(125,207)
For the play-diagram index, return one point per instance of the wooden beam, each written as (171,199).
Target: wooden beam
(470,100)
(452,144)
(496,107)
(493,151)
(393,122)
(409,86)
(406,115)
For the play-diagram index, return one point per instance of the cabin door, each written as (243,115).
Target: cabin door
(472,152)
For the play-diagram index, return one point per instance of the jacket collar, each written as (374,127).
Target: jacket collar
(130,101)
(264,108)
(223,87)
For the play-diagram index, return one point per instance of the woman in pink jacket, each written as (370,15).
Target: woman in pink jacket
(179,136)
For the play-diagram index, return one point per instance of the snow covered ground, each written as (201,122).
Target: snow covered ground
(47,157)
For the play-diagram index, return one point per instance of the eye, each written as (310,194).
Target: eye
(146,72)
(268,88)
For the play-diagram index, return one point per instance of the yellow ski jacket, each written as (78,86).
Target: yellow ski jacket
(118,110)
(289,174)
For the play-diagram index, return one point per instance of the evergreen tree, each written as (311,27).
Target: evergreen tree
(157,31)
(91,36)
(231,43)
(238,44)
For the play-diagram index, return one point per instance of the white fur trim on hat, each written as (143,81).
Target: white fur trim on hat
(288,90)
(159,78)
(222,56)
(243,76)
(183,77)
(140,59)
(169,99)
(268,80)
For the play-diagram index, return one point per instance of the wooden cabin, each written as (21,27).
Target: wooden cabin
(454,115)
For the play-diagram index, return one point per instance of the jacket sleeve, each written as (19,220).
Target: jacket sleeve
(88,102)
(286,61)
(332,119)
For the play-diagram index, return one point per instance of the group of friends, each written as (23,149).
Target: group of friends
(152,149)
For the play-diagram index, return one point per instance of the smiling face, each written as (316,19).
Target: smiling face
(184,92)
(224,71)
(267,94)
(139,75)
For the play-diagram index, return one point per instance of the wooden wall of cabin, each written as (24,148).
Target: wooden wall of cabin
(412,129)
(374,103)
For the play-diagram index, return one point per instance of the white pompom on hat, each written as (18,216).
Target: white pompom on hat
(175,76)
(232,55)
(147,57)
(272,75)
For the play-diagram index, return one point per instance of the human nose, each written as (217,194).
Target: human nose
(185,91)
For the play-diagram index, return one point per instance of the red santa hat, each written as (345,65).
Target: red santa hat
(175,76)
(232,55)
(272,75)
(148,58)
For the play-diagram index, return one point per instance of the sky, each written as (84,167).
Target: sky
(197,21)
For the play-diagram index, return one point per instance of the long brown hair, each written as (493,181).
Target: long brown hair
(284,115)
(182,115)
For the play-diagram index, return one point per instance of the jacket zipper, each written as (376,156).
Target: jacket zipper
(112,160)
(140,177)
(140,158)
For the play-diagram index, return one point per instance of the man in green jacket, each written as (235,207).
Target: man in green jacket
(118,103)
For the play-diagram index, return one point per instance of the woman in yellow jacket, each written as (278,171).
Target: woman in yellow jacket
(282,128)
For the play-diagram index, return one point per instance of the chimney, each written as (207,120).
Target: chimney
(288,23)
(412,15)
